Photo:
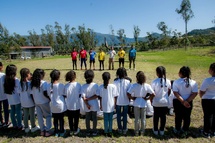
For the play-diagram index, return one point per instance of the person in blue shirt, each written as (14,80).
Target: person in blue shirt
(132,57)
(92,54)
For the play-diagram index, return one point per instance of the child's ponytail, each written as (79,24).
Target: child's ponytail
(106,78)
(9,82)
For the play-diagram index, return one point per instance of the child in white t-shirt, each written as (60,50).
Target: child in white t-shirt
(140,92)
(55,91)
(185,90)
(11,85)
(207,93)
(41,100)
(162,89)
(27,100)
(72,92)
(3,101)
(122,85)
(108,94)
(88,93)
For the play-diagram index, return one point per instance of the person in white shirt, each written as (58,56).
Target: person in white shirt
(11,84)
(162,89)
(3,101)
(41,100)
(107,93)
(27,102)
(140,92)
(185,90)
(88,93)
(122,85)
(112,54)
(207,93)
(72,92)
(55,91)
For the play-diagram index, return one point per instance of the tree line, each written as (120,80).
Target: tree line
(63,39)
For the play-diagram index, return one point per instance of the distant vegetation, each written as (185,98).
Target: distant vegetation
(63,39)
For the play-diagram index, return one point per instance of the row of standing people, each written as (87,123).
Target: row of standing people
(66,97)
(101,58)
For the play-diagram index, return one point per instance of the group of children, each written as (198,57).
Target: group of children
(53,99)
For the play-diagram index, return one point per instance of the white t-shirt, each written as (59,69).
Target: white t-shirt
(38,95)
(107,96)
(2,94)
(208,86)
(161,98)
(25,98)
(72,92)
(14,98)
(87,91)
(179,86)
(140,91)
(122,86)
(112,53)
(58,104)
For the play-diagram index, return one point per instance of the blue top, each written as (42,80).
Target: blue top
(92,55)
(132,53)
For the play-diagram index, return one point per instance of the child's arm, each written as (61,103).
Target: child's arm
(183,102)
(46,95)
(100,102)
(115,99)
(86,102)
(92,97)
(201,93)
(192,96)
(32,97)
(130,97)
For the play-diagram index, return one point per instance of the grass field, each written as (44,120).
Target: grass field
(198,59)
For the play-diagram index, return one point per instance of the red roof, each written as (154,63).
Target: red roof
(36,47)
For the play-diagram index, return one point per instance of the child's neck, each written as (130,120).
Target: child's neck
(55,82)
(72,81)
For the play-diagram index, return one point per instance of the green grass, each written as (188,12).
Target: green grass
(198,59)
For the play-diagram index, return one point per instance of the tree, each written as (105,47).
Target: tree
(43,38)
(112,34)
(33,38)
(50,35)
(163,27)
(136,33)
(121,32)
(186,13)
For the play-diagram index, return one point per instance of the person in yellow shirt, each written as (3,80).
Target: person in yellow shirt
(121,55)
(101,58)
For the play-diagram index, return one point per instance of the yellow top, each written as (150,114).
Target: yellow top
(101,56)
(121,54)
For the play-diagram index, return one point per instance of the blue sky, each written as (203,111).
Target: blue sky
(20,16)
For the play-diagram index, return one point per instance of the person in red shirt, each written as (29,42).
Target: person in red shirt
(83,57)
(74,55)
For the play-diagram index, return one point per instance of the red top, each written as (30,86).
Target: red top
(83,54)
(74,55)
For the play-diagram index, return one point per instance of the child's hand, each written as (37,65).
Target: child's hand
(88,106)
(101,108)
(186,104)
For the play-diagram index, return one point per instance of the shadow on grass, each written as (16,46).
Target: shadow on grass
(12,133)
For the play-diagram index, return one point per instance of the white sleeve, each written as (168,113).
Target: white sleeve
(44,86)
(195,87)
(150,90)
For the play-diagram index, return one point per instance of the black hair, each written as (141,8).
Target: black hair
(141,78)
(121,72)
(9,81)
(1,64)
(161,72)
(106,78)
(212,67)
(185,72)
(37,77)
(54,75)
(171,83)
(24,74)
(70,75)
(89,75)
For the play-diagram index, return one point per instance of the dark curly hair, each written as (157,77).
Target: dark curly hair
(24,74)
(89,75)
(9,82)
(185,72)
(70,75)
(106,78)
(141,78)
(54,75)
(37,77)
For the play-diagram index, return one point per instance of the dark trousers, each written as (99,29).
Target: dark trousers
(121,62)
(83,60)
(182,114)
(208,106)
(58,118)
(74,64)
(73,116)
(101,64)
(131,59)
(159,113)
(6,111)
